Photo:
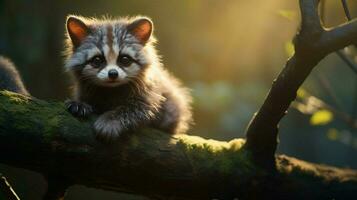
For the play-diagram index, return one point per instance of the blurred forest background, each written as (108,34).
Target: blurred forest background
(228,52)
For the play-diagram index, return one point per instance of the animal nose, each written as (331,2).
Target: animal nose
(113,74)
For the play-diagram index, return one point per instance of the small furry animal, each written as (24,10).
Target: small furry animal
(10,78)
(119,76)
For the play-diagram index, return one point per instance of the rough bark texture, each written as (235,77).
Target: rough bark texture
(43,137)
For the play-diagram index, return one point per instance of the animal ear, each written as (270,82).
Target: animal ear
(141,28)
(77,30)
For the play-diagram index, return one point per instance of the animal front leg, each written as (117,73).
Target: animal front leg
(110,125)
(78,109)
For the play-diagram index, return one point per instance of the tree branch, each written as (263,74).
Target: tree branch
(43,137)
(339,37)
(310,19)
(7,190)
(347,11)
(312,43)
(346,60)
(340,53)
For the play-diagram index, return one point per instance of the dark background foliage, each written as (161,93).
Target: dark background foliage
(228,52)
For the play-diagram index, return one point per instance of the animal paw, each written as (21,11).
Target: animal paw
(78,109)
(108,128)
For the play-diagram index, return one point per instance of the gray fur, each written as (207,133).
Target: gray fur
(97,40)
(150,97)
(10,78)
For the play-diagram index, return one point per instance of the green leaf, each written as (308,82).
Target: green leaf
(301,93)
(288,14)
(321,117)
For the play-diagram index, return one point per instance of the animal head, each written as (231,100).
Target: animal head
(109,52)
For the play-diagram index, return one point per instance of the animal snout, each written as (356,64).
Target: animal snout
(113,74)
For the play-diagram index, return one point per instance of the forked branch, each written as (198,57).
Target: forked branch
(312,43)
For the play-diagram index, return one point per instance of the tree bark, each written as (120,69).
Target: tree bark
(41,136)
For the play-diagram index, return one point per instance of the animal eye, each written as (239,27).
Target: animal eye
(125,60)
(97,61)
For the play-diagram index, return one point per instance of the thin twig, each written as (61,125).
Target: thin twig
(348,62)
(326,86)
(354,108)
(310,103)
(340,53)
(322,11)
(322,80)
(7,190)
(347,11)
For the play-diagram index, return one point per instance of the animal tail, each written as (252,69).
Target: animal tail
(10,78)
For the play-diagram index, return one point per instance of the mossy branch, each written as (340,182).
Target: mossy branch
(41,136)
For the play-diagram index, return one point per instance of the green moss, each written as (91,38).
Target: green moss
(304,170)
(42,122)
(213,146)
(15,97)
(224,157)
(27,114)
